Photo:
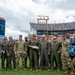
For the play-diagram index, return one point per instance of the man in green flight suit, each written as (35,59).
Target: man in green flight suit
(43,52)
(27,52)
(4,53)
(33,52)
(55,50)
(10,53)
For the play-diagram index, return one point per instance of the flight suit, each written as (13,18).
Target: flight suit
(55,47)
(4,55)
(43,50)
(10,55)
(27,52)
(33,53)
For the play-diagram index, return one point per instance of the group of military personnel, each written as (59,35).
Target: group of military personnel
(43,53)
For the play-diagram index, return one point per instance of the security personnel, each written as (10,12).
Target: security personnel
(66,60)
(55,50)
(10,54)
(33,53)
(20,51)
(43,52)
(4,53)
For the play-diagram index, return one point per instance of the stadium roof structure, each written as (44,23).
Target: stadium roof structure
(56,26)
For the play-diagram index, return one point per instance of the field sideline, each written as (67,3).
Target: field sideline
(28,72)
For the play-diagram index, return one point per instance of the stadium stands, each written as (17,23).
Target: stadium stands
(58,27)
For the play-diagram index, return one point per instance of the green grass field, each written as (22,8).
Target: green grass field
(20,72)
(28,72)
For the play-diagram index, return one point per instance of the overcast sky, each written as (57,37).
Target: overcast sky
(19,13)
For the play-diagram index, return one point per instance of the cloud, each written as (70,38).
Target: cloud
(19,13)
(61,4)
(15,33)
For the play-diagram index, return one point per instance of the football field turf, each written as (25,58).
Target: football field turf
(28,72)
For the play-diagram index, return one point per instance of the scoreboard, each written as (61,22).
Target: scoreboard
(2,27)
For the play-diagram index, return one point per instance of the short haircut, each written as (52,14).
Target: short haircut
(20,35)
(64,34)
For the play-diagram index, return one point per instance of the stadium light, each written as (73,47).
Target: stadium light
(43,17)
(38,17)
(46,18)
